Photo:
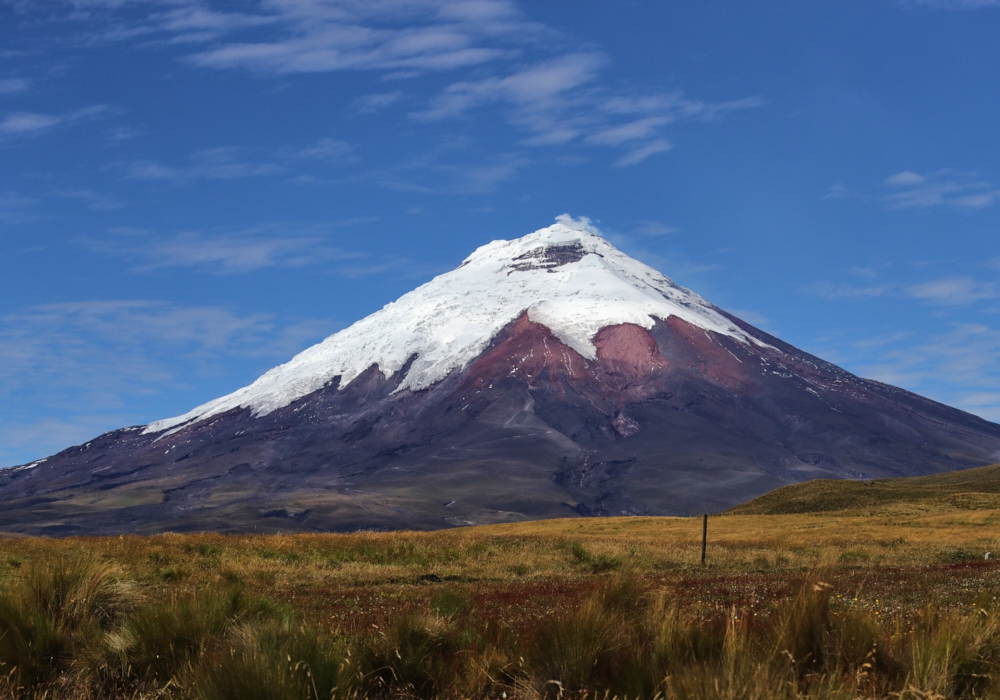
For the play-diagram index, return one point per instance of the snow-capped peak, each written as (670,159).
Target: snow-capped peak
(567,277)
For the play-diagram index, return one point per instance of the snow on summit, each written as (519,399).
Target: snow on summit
(566,276)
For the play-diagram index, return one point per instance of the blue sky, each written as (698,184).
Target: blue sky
(193,191)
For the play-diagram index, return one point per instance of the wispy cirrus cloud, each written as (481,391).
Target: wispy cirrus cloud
(223,163)
(549,89)
(907,189)
(831,290)
(643,152)
(23,440)
(32,123)
(196,23)
(14,208)
(555,102)
(120,134)
(842,191)
(437,172)
(87,360)
(226,253)
(911,190)
(395,35)
(950,4)
(325,149)
(112,347)
(376,102)
(960,367)
(93,200)
(953,291)
(650,227)
(631,131)
(232,163)
(533,90)
(11,85)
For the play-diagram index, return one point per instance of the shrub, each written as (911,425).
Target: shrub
(957,556)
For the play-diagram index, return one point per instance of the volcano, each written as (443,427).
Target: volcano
(547,376)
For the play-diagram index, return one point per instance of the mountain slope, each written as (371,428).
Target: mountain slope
(547,376)
(967,489)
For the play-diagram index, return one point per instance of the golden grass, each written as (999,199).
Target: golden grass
(541,550)
(886,563)
(337,574)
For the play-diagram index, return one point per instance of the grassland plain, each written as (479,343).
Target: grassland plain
(886,597)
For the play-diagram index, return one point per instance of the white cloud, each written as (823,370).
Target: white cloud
(654,228)
(23,441)
(953,291)
(434,176)
(214,164)
(414,35)
(950,4)
(829,290)
(327,149)
(941,188)
(369,104)
(12,85)
(14,208)
(486,177)
(93,200)
(225,253)
(867,273)
(841,191)
(559,100)
(643,152)
(123,133)
(194,23)
(969,354)
(905,178)
(547,89)
(93,362)
(25,122)
(639,129)
(531,90)
(960,367)
(28,123)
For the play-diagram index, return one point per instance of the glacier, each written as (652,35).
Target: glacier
(567,277)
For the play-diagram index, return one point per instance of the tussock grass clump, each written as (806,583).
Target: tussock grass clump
(272,660)
(579,650)
(953,655)
(162,640)
(54,614)
(417,655)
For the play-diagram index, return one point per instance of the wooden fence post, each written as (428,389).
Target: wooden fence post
(704,536)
